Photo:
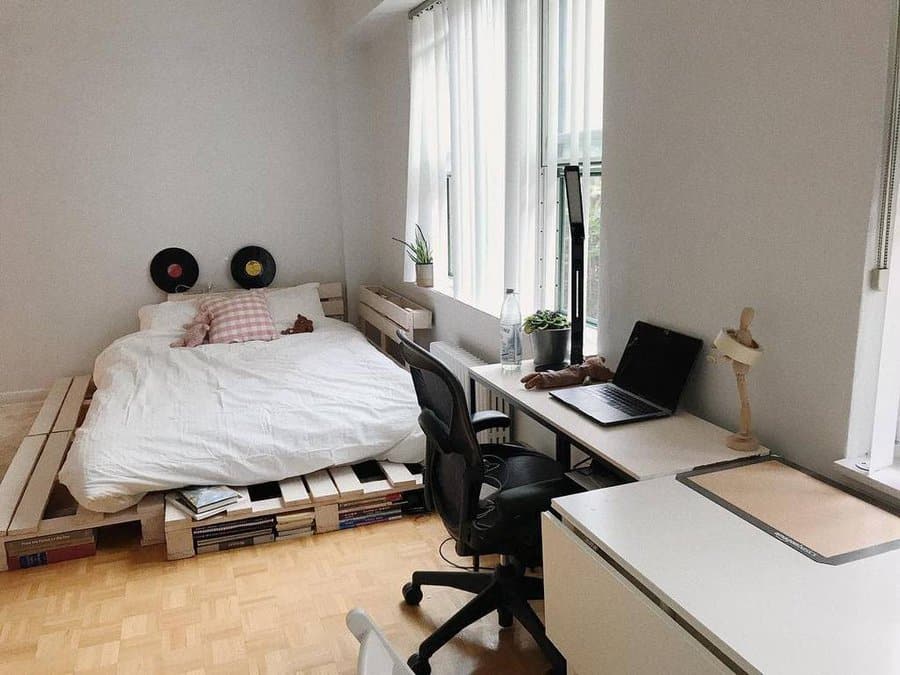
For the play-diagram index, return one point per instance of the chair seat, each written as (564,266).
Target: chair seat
(518,466)
(508,466)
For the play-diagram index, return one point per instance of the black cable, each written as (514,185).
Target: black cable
(450,562)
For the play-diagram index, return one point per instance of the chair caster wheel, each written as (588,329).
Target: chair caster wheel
(505,617)
(418,665)
(412,594)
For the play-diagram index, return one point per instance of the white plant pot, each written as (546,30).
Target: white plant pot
(425,275)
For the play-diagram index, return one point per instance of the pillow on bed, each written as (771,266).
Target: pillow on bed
(239,318)
(286,303)
(167,315)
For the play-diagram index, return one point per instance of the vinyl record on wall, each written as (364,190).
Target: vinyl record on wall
(253,267)
(174,270)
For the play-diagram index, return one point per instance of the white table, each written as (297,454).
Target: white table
(654,577)
(641,450)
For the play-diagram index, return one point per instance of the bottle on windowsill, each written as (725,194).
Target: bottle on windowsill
(510,331)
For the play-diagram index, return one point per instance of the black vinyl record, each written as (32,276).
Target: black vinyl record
(174,270)
(253,267)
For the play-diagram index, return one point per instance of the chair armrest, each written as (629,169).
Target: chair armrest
(489,419)
(534,498)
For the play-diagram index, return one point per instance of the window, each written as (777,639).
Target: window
(502,95)
(572,126)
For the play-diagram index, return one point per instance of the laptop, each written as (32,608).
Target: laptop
(648,383)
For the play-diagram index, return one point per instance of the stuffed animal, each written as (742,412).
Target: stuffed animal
(194,336)
(301,325)
(593,369)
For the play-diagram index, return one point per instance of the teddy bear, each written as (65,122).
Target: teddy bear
(301,325)
(194,336)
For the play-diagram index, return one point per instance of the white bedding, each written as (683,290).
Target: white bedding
(237,414)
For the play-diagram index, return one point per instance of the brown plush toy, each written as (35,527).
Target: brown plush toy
(301,325)
(593,369)
(194,336)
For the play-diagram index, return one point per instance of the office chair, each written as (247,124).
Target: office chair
(520,483)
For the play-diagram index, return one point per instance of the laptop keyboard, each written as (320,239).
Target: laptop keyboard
(622,401)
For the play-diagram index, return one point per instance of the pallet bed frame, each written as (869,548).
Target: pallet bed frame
(31,479)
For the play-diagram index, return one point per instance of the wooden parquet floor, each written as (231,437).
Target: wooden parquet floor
(275,608)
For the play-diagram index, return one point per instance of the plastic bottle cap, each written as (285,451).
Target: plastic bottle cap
(510,290)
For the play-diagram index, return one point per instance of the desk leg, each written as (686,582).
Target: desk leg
(473,406)
(564,451)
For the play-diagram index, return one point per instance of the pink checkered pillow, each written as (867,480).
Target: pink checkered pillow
(239,318)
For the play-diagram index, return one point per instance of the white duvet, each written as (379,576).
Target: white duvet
(237,414)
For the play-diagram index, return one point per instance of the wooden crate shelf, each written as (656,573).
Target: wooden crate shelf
(382,313)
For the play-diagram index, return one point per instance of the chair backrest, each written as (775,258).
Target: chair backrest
(376,656)
(453,467)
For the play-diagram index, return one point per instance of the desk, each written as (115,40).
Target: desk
(652,577)
(642,450)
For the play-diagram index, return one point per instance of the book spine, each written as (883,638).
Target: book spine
(16,562)
(352,513)
(392,497)
(235,543)
(295,518)
(368,521)
(296,534)
(36,545)
(376,514)
(291,527)
(231,537)
(227,528)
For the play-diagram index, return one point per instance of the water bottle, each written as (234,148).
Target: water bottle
(510,331)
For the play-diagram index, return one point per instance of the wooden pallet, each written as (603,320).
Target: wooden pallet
(319,493)
(32,477)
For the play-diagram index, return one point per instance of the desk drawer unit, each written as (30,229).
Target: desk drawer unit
(602,623)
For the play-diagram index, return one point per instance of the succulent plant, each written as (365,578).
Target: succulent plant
(545,319)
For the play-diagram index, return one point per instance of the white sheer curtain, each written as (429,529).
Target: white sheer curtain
(491,122)
(429,137)
(573,114)
(523,153)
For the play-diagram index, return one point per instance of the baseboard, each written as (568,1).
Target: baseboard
(7,397)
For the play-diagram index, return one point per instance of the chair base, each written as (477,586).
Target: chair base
(506,591)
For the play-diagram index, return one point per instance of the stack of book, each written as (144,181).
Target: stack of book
(368,511)
(50,548)
(236,534)
(204,501)
(295,525)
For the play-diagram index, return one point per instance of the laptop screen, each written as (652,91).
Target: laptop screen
(656,363)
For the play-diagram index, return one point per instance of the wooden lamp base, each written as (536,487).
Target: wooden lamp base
(742,442)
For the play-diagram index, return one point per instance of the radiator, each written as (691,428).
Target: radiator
(458,361)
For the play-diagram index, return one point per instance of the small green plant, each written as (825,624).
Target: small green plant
(545,319)
(419,251)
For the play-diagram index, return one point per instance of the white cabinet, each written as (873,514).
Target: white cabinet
(602,623)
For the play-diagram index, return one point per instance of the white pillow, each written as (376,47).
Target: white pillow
(167,316)
(286,303)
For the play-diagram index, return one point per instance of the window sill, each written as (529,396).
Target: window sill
(885,481)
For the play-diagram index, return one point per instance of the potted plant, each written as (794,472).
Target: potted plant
(420,253)
(550,332)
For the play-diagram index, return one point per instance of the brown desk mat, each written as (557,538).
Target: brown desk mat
(809,513)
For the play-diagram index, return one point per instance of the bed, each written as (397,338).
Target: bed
(237,414)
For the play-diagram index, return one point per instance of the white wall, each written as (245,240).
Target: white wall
(129,126)
(741,150)
(741,154)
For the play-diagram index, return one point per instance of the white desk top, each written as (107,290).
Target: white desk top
(767,607)
(643,450)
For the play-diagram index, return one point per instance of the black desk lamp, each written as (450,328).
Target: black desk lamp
(572,176)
